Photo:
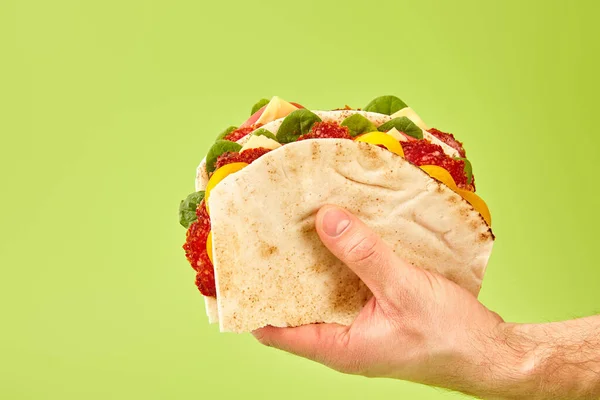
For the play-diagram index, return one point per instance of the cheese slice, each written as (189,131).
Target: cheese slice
(412,115)
(260,141)
(396,134)
(277,108)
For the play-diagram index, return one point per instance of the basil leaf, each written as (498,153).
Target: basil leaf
(187,208)
(264,132)
(468,169)
(220,147)
(259,105)
(385,105)
(357,124)
(403,124)
(296,124)
(226,132)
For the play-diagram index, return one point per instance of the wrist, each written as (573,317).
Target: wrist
(527,361)
(501,364)
(517,362)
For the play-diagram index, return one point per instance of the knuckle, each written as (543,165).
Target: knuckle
(262,338)
(362,249)
(349,359)
(342,340)
(351,366)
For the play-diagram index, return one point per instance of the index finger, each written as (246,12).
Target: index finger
(324,343)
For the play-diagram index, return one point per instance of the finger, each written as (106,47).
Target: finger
(324,343)
(361,249)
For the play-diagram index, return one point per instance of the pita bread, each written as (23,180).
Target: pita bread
(272,269)
(335,116)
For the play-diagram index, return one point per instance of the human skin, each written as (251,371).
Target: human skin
(421,327)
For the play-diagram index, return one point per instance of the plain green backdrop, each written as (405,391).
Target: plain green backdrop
(106,108)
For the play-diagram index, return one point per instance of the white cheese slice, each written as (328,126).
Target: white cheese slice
(260,141)
(449,150)
(412,115)
(277,108)
(396,134)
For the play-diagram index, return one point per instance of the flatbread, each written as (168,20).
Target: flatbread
(273,126)
(272,269)
(331,116)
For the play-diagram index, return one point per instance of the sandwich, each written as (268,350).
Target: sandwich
(250,235)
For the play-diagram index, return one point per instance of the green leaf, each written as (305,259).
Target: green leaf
(220,147)
(264,132)
(187,208)
(468,169)
(296,124)
(403,124)
(385,105)
(226,132)
(357,125)
(259,105)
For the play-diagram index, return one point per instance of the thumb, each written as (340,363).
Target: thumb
(361,249)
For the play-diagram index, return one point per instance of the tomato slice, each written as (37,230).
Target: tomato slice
(254,117)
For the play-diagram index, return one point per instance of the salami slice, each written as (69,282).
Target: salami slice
(246,156)
(195,252)
(449,139)
(327,130)
(422,152)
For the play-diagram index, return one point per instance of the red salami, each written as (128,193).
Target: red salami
(239,133)
(449,139)
(246,156)
(327,130)
(418,152)
(422,152)
(195,252)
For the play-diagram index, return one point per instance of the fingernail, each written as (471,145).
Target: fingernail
(335,221)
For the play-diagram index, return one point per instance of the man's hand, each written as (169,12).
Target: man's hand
(418,325)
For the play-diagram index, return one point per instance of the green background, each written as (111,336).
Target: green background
(106,108)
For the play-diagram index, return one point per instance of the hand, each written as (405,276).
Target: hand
(418,325)
(422,327)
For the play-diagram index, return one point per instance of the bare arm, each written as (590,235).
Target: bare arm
(421,327)
(559,360)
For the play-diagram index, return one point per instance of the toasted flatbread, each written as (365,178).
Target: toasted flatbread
(329,116)
(272,269)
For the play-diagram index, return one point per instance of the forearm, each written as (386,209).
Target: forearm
(541,361)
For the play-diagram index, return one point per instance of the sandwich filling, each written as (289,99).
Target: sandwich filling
(399,135)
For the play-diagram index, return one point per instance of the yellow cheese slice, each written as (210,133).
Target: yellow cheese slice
(396,134)
(277,108)
(412,115)
(260,141)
